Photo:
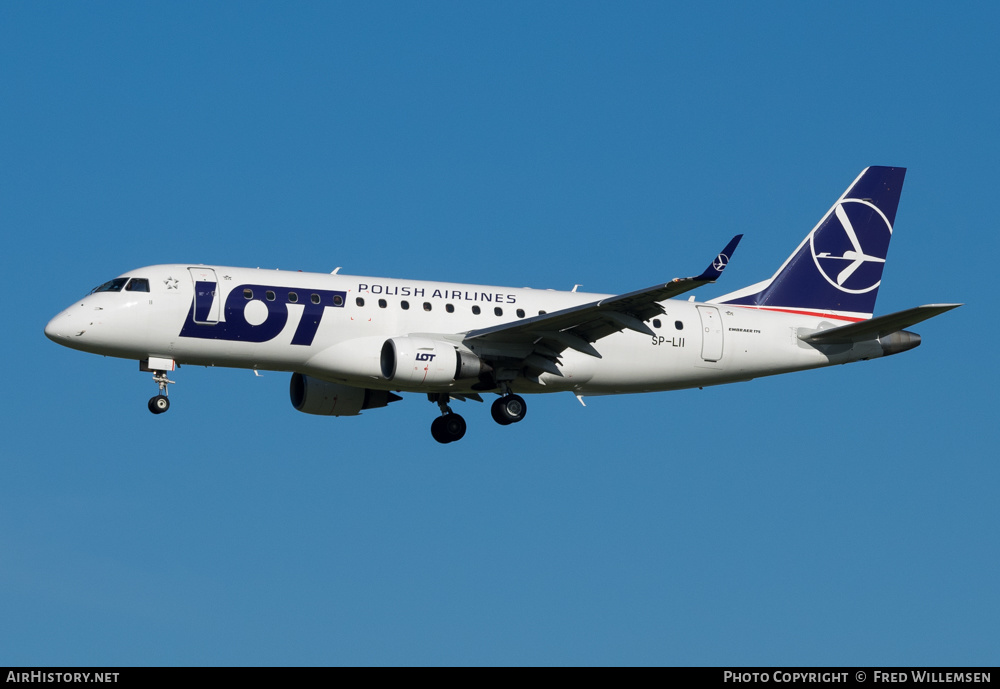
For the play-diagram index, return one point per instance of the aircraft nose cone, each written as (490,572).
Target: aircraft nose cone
(52,330)
(58,329)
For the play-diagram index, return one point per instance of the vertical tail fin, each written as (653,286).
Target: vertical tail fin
(837,269)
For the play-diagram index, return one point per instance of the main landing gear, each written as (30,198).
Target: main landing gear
(160,403)
(508,409)
(450,426)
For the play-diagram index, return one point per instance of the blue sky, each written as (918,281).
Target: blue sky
(846,516)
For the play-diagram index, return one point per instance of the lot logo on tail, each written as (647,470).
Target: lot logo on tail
(851,262)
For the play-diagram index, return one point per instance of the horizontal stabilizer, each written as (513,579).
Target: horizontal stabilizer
(878,327)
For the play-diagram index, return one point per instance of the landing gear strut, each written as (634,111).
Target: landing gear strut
(160,403)
(448,427)
(508,409)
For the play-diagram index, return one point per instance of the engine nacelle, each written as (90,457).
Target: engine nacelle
(424,362)
(315,396)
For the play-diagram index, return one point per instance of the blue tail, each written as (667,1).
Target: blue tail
(837,269)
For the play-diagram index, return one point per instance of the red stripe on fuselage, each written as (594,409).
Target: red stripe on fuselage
(818,314)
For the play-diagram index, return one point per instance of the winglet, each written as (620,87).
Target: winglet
(716,267)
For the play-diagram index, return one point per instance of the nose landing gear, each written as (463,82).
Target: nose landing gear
(160,403)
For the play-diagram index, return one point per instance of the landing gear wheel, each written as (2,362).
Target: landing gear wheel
(159,404)
(448,428)
(508,409)
(496,410)
(437,431)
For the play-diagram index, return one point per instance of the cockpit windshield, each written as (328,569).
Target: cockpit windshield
(116,285)
(111,286)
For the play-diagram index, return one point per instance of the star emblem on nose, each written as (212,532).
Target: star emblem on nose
(171,283)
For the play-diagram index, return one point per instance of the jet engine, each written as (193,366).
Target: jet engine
(315,396)
(422,361)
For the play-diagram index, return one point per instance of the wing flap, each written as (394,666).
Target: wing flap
(568,339)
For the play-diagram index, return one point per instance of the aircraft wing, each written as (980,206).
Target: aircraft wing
(878,327)
(539,340)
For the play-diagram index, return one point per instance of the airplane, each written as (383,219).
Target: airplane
(352,343)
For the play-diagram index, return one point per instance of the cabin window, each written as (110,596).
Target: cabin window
(293,297)
(656,323)
(679,325)
(337,300)
(359,301)
(404,305)
(450,308)
(520,313)
(382,303)
(248,294)
(314,298)
(269,295)
(427,306)
(476,310)
(498,311)
(111,286)
(541,313)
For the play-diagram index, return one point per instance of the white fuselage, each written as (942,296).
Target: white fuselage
(267,320)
